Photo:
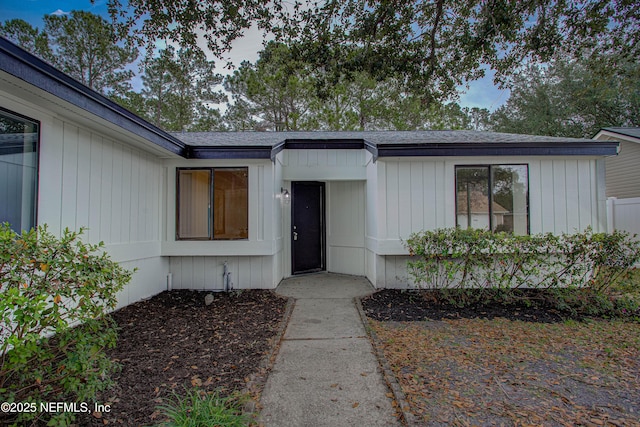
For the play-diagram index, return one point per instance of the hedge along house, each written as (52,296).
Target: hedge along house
(186,208)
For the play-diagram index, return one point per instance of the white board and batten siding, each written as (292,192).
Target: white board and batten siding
(345,227)
(322,165)
(278,208)
(409,195)
(89,178)
(255,262)
(91,181)
(565,195)
(344,173)
(206,272)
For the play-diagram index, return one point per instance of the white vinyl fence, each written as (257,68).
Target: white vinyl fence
(623,214)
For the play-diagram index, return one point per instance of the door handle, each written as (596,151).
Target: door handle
(295,235)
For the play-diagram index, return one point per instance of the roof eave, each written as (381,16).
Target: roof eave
(31,69)
(229,152)
(324,144)
(495,149)
(613,133)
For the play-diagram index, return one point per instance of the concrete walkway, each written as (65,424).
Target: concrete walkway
(326,373)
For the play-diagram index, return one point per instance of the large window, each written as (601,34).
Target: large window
(18,171)
(494,197)
(213,203)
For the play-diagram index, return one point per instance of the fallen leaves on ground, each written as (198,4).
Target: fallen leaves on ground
(504,372)
(173,342)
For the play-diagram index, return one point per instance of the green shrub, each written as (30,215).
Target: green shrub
(476,258)
(54,296)
(473,265)
(198,408)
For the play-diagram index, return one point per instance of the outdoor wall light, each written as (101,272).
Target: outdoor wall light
(286,197)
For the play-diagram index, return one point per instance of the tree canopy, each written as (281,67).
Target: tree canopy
(572,98)
(430,46)
(82,45)
(23,34)
(279,92)
(177,87)
(352,65)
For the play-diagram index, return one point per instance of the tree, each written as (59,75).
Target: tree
(572,98)
(430,46)
(602,91)
(437,45)
(240,117)
(357,102)
(82,45)
(276,91)
(85,46)
(530,108)
(156,81)
(281,92)
(178,85)
(370,104)
(185,22)
(208,119)
(132,101)
(23,34)
(479,118)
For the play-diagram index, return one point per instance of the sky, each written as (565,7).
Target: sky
(481,93)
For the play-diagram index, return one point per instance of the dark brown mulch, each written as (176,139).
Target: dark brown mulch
(415,305)
(174,342)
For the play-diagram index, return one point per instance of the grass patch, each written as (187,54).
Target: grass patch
(493,372)
(198,408)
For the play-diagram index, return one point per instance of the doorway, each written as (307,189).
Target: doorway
(307,227)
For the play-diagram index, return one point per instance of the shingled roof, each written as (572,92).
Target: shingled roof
(390,143)
(373,137)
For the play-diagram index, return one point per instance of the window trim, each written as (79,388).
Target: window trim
(490,167)
(36,190)
(210,219)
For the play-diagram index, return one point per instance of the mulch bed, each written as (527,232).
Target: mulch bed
(415,305)
(173,342)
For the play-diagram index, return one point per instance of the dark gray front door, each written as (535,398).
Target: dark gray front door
(307,227)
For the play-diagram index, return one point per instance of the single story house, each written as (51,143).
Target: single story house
(185,208)
(622,171)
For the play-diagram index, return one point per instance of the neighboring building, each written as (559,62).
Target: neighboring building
(477,203)
(623,171)
(266,205)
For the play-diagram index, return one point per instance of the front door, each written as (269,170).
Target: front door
(307,227)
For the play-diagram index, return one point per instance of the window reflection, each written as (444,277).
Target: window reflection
(213,203)
(18,171)
(493,197)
